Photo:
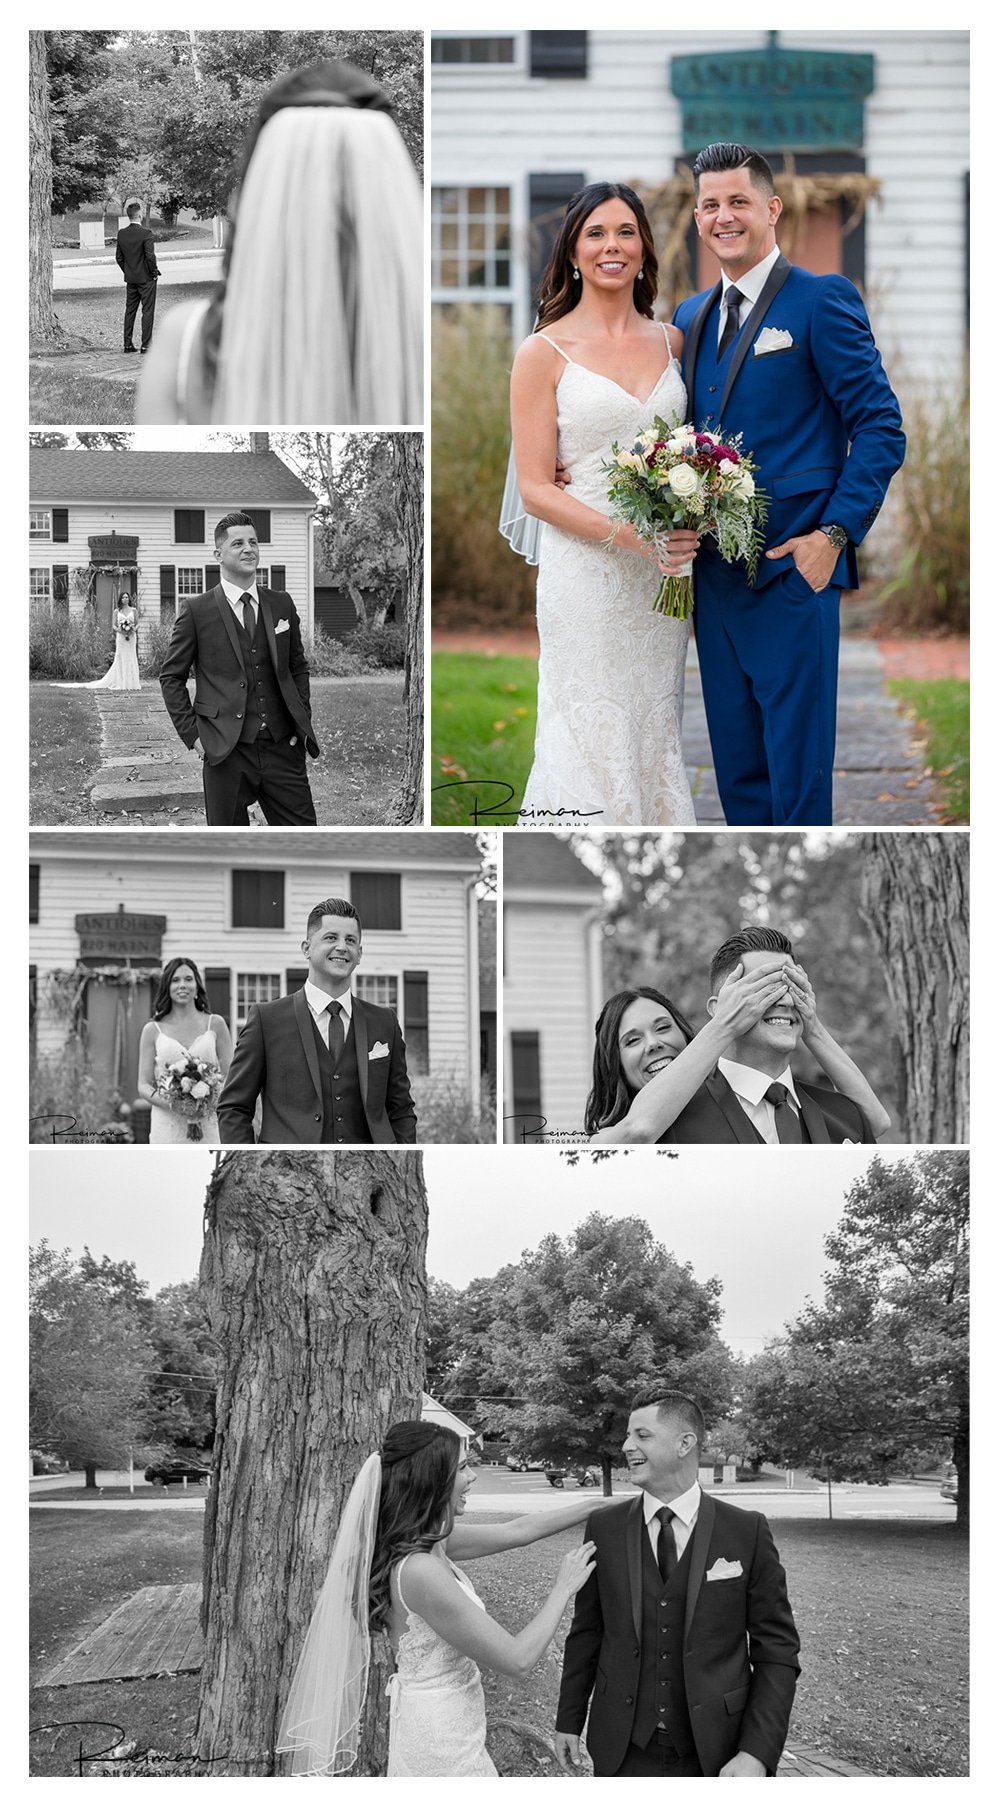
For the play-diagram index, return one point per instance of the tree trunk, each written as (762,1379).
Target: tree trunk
(359,602)
(313,1271)
(408,456)
(960,1458)
(43,327)
(90,1475)
(915,899)
(607,1475)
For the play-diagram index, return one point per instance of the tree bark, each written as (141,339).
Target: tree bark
(313,1271)
(915,898)
(43,327)
(408,456)
(90,1475)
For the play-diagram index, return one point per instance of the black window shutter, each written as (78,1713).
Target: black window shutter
(561,54)
(60,526)
(261,519)
(33,878)
(168,593)
(60,588)
(377,896)
(277,577)
(416,1022)
(258,898)
(295,978)
(548,195)
(526,1073)
(217,985)
(212,576)
(189,527)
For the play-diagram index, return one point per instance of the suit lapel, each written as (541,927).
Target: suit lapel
(777,275)
(229,623)
(812,1117)
(304,1024)
(264,601)
(693,339)
(731,1108)
(635,1530)
(700,1540)
(360,1045)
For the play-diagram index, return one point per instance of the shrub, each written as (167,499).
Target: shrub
(73,649)
(930,591)
(61,1085)
(382,648)
(445,1113)
(153,643)
(332,658)
(475,577)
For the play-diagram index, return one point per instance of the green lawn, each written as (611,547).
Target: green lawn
(59,398)
(939,709)
(881,1607)
(482,730)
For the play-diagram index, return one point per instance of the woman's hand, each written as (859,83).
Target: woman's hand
(803,998)
(574,1569)
(743,998)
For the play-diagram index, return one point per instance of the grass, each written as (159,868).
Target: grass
(361,729)
(65,752)
(71,397)
(940,710)
(60,398)
(881,1607)
(482,728)
(98,315)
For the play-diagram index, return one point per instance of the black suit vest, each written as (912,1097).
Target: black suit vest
(662,1697)
(344,1119)
(265,712)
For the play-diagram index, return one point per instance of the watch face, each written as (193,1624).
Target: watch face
(836,535)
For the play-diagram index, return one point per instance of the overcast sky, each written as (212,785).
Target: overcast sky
(758,1224)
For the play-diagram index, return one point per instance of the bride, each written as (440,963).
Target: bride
(182,1024)
(597,369)
(392,1570)
(123,672)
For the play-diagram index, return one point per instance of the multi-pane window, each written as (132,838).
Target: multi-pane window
(40,524)
(378,988)
(40,584)
(190,580)
(255,988)
(471,242)
(258,898)
(451,52)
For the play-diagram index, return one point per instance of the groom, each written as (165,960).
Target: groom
(788,360)
(327,1067)
(683,1645)
(250,723)
(751,1097)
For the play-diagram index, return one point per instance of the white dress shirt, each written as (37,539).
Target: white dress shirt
(749,286)
(685,1511)
(321,1005)
(234,597)
(750,1086)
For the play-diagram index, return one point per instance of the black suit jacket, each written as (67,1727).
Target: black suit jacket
(135,254)
(715,1115)
(740,1643)
(275,1060)
(206,637)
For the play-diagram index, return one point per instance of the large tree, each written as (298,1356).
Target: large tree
(915,897)
(90,1361)
(577,1327)
(43,327)
(314,1278)
(408,464)
(879,1370)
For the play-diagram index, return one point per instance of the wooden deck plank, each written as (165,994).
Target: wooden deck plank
(804,1761)
(155,1632)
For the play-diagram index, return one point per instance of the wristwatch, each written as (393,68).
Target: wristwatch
(836,534)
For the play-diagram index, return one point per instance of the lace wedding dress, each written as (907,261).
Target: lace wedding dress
(437,1712)
(610,673)
(166,1126)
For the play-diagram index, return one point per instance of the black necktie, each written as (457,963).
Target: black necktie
(786,1118)
(666,1546)
(248,615)
(734,301)
(337,1032)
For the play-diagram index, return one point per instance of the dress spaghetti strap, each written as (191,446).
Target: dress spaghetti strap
(555,347)
(399,1580)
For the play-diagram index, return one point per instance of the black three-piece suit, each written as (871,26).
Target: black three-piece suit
(136,257)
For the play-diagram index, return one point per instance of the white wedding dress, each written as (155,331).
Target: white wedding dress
(166,1126)
(437,1710)
(123,673)
(608,748)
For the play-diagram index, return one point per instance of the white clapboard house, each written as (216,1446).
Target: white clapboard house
(521,119)
(552,986)
(101,523)
(108,911)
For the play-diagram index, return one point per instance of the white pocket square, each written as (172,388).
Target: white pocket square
(772,339)
(721,1571)
(281,627)
(379,1052)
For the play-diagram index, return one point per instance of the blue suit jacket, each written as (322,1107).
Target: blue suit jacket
(819,417)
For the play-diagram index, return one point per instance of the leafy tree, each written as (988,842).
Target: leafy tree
(571,1333)
(87,134)
(181,1405)
(880,1370)
(110,439)
(89,1361)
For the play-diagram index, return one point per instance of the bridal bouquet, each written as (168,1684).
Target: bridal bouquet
(191,1088)
(673,477)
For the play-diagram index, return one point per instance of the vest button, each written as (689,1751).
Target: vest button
(712,388)
(628,1701)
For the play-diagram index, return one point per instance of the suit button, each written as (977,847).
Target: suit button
(712,388)
(239,715)
(628,1701)
(317,1119)
(635,1652)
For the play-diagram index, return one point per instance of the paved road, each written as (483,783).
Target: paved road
(103,273)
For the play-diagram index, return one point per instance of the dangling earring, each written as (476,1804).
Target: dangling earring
(642,272)
(576,273)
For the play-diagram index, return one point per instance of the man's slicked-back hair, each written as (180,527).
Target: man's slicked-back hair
(671,1405)
(715,159)
(236,518)
(747,941)
(331,907)
(133,210)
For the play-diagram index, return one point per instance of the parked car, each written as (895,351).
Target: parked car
(520,1465)
(556,1473)
(165,1473)
(949,1483)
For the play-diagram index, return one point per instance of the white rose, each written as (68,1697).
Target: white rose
(630,461)
(744,486)
(199,1090)
(683,481)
